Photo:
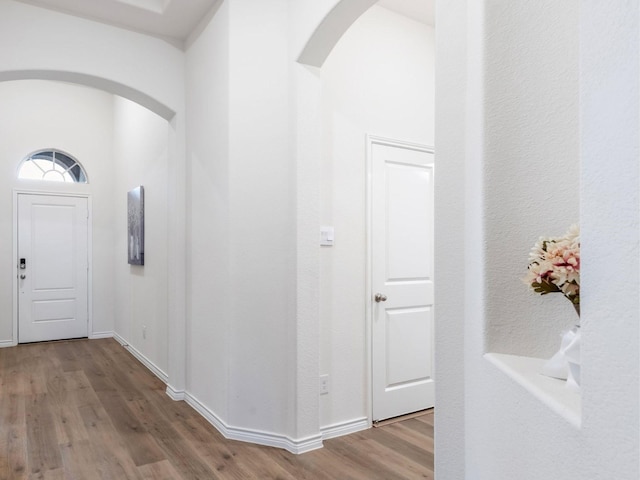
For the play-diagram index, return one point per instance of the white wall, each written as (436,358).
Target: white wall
(379,79)
(145,67)
(208,215)
(141,157)
(37,115)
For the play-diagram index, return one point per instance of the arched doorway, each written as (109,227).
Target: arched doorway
(168,345)
(316,52)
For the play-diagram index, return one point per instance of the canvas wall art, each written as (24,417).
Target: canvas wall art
(135,207)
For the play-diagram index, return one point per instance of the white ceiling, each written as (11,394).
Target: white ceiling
(174,20)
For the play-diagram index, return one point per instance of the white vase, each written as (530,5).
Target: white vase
(572,354)
(565,363)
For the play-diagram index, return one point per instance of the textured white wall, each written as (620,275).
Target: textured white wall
(379,79)
(520,91)
(37,115)
(531,170)
(610,148)
(141,157)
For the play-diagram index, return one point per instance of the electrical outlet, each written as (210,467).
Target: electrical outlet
(144,332)
(324,384)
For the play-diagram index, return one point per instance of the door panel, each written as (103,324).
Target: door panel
(408,362)
(53,288)
(408,228)
(402,272)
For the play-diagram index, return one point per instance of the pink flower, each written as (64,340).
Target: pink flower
(554,266)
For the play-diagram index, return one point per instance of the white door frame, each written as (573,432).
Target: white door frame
(370,141)
(16,192)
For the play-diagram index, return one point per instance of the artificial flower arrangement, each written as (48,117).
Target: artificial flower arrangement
(554,266)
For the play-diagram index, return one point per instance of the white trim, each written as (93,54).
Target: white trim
(345,428)
(391,142)
(7,343)
(24,191)
(142,358)
(14,298)
(254,436)
(89,263)
(368,348)
(175,395)
(97,335)
(370,141)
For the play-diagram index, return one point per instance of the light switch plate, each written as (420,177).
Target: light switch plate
(327,236)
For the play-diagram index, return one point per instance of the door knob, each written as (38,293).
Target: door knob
(379,297)
(23,276)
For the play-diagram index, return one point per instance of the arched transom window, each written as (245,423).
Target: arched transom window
(52,165)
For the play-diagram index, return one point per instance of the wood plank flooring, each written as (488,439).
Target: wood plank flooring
(87,409)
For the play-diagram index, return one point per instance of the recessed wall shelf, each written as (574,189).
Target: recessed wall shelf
(550,391)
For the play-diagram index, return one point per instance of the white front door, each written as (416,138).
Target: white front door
(52,267)
(402,278)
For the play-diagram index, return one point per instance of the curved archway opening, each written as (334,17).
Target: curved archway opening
(331,30)
(93,81)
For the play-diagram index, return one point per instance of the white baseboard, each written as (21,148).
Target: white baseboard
(174,394)
(143,359)
(242,434)
(97,335)
(7,343)
(345,428)
(254,436)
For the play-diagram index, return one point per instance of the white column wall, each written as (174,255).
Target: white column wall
(242,330)
(262,247)
(208,284)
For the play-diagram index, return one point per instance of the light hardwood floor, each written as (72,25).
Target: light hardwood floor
(87,409)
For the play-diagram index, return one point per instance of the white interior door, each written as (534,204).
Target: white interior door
(52,267)
(402,278)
